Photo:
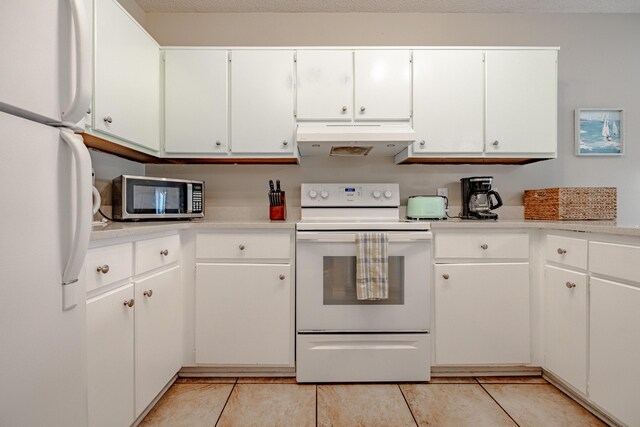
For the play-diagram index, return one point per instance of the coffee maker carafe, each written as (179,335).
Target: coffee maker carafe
(478,199)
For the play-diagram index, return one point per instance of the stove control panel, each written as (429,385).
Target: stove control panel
(350,195)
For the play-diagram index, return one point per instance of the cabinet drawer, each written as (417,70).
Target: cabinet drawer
(155,253)
(482,245)
(567,251)
(615,260)
(108,264)
(244,245)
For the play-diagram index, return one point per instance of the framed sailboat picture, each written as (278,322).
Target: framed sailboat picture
(599,132)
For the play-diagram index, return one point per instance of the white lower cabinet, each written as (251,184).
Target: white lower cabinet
(158,350)
(482,314)
(110,358)
(566,325)
(614,382)
(243,314)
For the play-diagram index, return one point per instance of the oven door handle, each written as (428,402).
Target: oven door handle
(313,237)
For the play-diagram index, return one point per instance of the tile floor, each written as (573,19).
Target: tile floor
(482,401)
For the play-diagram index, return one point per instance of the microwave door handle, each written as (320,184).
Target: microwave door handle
(189,198)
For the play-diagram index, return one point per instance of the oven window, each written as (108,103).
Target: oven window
(339,281)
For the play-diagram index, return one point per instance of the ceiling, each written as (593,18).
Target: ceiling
(392,6)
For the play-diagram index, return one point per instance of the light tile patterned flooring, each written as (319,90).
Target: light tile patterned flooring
(482,401)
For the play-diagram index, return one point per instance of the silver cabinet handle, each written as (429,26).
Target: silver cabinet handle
(104,269)
(496,143)
(285,143)
(241,247)
(218,143)
(422,143)
(362,109)
(281,277)
(129,303)
(344,108)
(445,276)
(148,293)
(89,110)
(484,246)
(164,252)
(570,285)
(108,119)
(562,251)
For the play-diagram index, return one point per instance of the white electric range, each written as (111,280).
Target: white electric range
(342,339)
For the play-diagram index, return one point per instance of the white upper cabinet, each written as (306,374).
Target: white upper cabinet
(196,101)
(262,101)
(448,101)
(382,84)
(521,107)
(127,78)
(324,84)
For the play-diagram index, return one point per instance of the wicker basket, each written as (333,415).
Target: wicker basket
(575,203)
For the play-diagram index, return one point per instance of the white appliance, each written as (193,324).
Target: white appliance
(341,339)
(353,139)
(45,223)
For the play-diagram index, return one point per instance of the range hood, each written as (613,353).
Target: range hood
(353,139)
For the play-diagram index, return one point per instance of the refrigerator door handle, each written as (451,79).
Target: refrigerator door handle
(82,98)
(82,226)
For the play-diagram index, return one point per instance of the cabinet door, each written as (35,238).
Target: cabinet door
(158,334)
(482,314)
(127,78)
(195,101)
(110,358)
(383,84)
(521,101)
(324,85)
(566,325)
(448,101)
(614,372)
(243,314)
(262,97)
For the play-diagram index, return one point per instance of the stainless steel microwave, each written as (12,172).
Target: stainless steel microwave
(145,197)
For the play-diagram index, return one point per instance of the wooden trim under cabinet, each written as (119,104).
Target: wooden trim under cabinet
(92,141)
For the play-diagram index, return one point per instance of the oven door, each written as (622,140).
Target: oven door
(326,290)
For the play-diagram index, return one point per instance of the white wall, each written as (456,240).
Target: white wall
(599,66)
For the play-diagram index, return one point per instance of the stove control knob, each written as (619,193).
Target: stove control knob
(376,194)
(313,194)
(387,194)
(324,194)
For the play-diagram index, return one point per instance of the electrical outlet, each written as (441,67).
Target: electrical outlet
(443,192)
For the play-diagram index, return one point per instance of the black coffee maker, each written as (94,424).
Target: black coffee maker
(478,198)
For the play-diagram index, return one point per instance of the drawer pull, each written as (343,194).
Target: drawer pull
(129,303)
(562,251)
(148,293)
(104,269)
(282,277)
(241,247)
(484,246)
(570,285)
(445,276)
(164,252)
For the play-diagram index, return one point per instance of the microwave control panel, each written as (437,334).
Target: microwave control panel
(350,195)
(197,198)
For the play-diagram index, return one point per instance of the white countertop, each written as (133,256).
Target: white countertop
(122,229)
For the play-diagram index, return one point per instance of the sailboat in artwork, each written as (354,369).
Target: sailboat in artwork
(614,129)
(606,133)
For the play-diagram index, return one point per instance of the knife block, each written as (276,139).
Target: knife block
(279,213)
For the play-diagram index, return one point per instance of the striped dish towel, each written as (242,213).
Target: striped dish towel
(372,266)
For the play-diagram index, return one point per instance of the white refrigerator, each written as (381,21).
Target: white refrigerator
(45,212)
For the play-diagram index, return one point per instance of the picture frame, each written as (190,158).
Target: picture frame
(599,131)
